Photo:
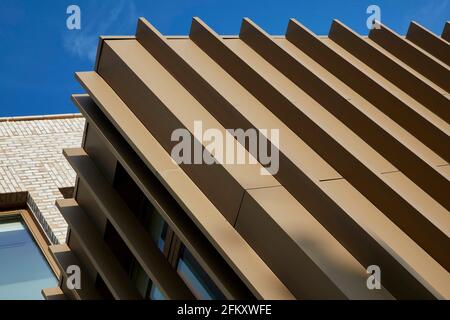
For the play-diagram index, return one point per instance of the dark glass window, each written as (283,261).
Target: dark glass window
(144,285)
(24,271)
(196,278)
(140,206)
(140,279)
(156,294)
(154,224)
(187,267)
(157,229)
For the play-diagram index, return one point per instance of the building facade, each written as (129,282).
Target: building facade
(33,174)
(31,161)
(358,208)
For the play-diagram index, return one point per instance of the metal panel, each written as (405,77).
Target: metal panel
(66,258)
(412,55)
(319,267)
(394,70)
(128,227)
(249,267)
(130,71)
(86,201)
(97,251)
(351,156)
(101,156)
(421,123)
(446,32)
(428,41)
(364,154)
(53,294)
(348,112)
(197,244)
(226,100)
(212,99)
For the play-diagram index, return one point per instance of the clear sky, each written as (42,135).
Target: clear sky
(39,55)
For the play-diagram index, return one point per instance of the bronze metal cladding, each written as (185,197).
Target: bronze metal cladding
(363,175)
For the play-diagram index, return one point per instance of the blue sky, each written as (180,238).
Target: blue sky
(39,55)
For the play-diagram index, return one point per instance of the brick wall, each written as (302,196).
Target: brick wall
(31,160)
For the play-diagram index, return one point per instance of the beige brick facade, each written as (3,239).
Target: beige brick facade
(31,160)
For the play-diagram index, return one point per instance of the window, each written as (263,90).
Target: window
(146,288)
(168,243)
(151,220)
(154,224)
(157,229)
(24,270)
(196,278)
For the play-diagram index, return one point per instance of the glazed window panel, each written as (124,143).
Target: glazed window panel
(24,271)
(154,224)
(157,229)
(196,278)
(156,294)
(145,286)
